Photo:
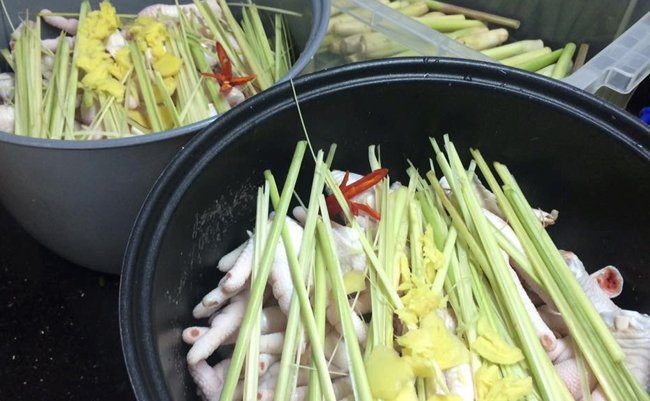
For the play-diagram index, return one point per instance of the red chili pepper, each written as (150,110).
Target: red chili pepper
(225,78)
(354,189)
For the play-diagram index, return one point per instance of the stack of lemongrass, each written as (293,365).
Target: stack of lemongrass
(109,75)
(436,310)
(355,41)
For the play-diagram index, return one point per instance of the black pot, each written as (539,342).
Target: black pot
(569,151)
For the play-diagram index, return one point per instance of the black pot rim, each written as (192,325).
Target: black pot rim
(320,12)
(138,268)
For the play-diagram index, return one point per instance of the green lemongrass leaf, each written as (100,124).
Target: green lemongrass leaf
(7,16)
(262,78)
(274,10)
(320,305)
(415,232)
(211,19)
(189,91)
(257,293)
(540,62)
(357,369)
(60,82)
(167,99)
(300,292)
(542,369)
(6,54)
(197,51)
(441,274)
(71,90)
(146,88)
(251,368)
(282,392)
(589,331)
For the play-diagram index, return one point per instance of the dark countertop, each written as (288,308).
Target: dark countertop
(59,333)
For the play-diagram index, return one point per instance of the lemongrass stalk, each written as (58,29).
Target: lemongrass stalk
(258,35)
(390,293)
(146,88)
(301,293)
(280,48)
(575,318)
(415,233)
(377,45)
(347,28)
(71,90)
(257,293)
(262,78)
(6,54)
(179,40)
(609,367)
(223,37)
(220,104)
(540,62)
(520,258)
(542,369)
(467,31)
(514,49)
(581,57)
(59,84)
(441,274)
(590,338)
(584,376)
(251,367)
(524,57)
(274,10)
(444,24)
(563,65)
(487,40)
(443,17)
(289,348)
(547,71)
(357,369)
(167,99)
(415,9)
(320,306)
(479,15)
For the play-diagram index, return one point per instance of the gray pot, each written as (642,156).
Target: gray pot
(80,199)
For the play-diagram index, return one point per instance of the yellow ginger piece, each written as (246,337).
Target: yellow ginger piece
(149,33)
(167,65)
(407,393)
(138,117)
(432,341)
(92,57)
(419,302)
(445,397)
(490,386)
(433,258)
(388,373)
(490,346)
(122,64)
(354,281)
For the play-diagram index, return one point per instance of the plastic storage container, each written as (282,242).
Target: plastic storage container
(619,32)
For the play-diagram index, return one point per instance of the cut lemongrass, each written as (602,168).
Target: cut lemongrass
(563,65)
(357,370)
(251,369)
(443,24)
(467,31)
(306,311)
(282,390)
(146,88)
(513,61)
(542,369)
(479,15)
(540,62)
(257,292)
(320,306)
(513,49)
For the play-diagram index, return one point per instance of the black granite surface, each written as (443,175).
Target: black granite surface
(59,334)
